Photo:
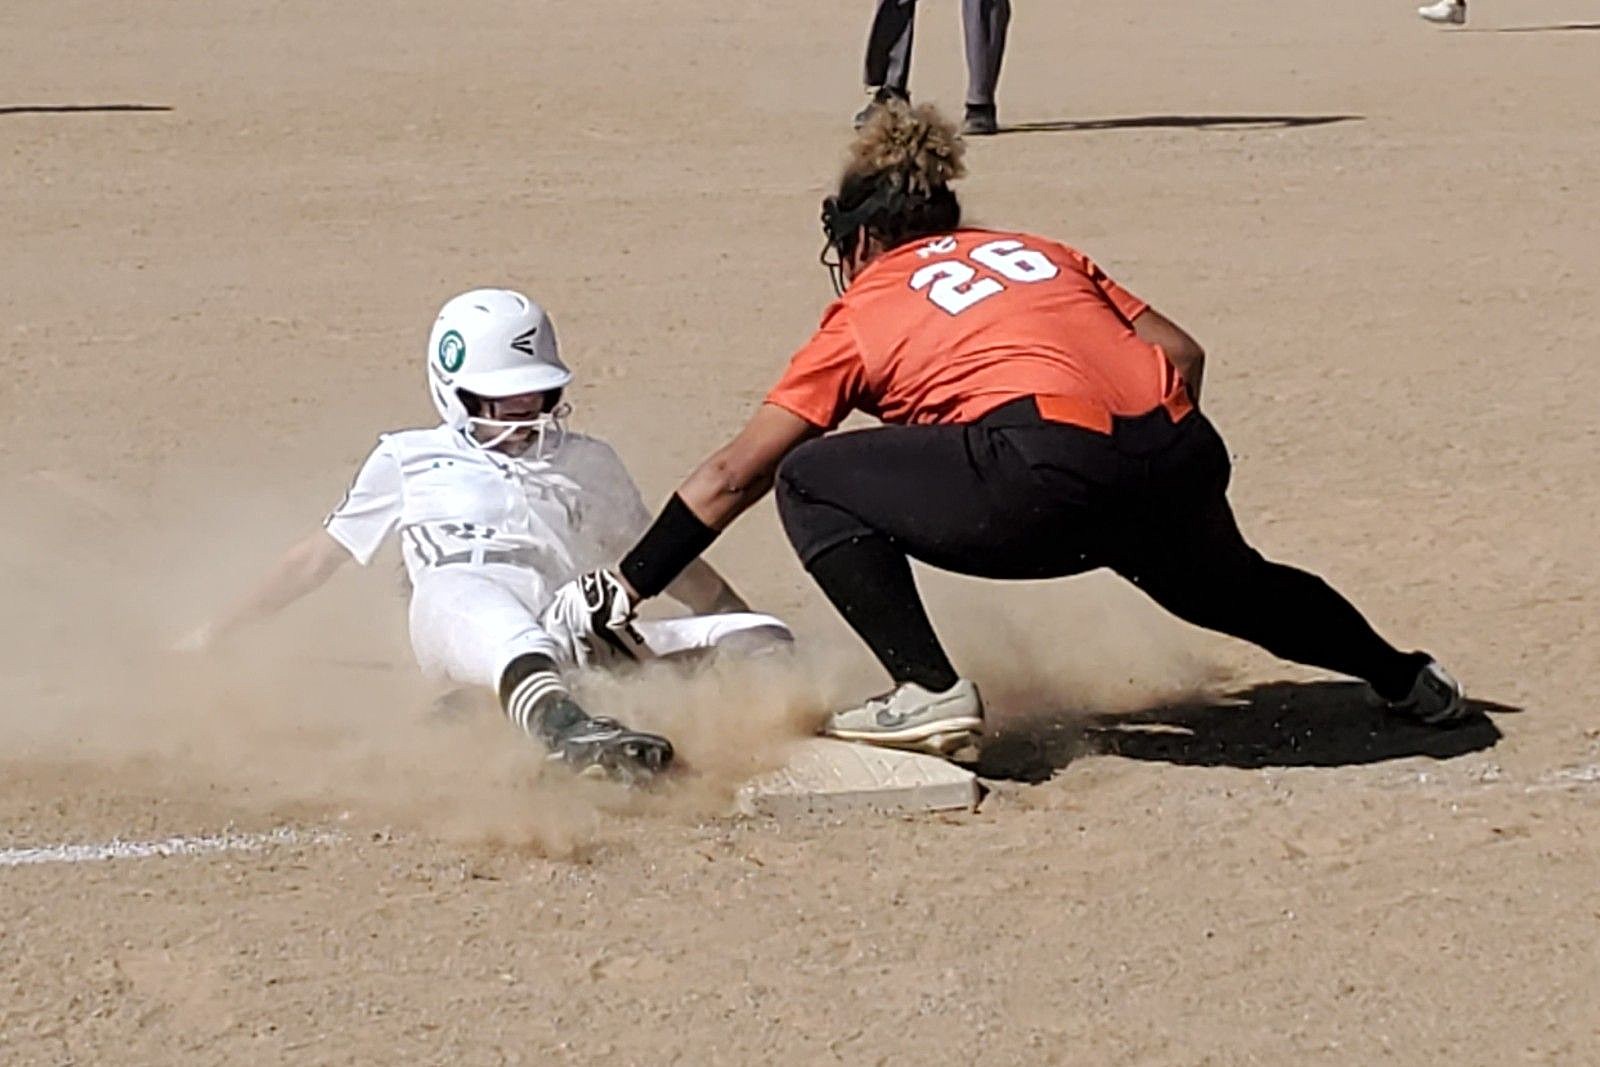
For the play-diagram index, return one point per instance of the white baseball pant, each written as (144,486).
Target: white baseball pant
(469,622)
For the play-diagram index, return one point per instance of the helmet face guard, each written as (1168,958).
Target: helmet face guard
(842,229)
(550,429)
(549,433)
(834,235)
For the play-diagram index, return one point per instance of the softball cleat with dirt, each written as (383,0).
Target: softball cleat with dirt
(604,748)
(911,717)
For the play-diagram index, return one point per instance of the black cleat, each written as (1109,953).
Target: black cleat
(606,748)
(880,96)
(981,121)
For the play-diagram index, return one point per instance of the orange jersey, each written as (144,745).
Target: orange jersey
(946,329)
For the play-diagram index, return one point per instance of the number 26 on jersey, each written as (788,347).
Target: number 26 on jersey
(953,284)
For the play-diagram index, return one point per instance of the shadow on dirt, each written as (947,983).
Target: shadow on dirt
(76,109)
(1180,122)
(1564,27)
(1276,724)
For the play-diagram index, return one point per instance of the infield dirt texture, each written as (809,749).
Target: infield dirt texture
(1385,235)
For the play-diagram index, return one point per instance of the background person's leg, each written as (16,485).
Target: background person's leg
(888,62)
(984,24)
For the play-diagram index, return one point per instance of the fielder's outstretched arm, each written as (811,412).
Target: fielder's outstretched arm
(306,565)
(741,472)
(721,489)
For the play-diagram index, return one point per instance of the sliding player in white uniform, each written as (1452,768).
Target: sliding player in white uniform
(495,509)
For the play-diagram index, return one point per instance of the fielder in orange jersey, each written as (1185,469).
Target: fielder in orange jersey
(1041,421)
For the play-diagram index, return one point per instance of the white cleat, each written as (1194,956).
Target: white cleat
(911,717)
(1446,12)
(1436,698)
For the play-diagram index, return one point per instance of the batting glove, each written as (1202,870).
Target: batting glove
(593,616)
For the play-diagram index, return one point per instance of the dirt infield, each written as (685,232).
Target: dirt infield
(227,227)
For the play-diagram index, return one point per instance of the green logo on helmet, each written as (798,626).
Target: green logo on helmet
(452,352)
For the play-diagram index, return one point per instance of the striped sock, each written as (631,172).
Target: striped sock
(523,701)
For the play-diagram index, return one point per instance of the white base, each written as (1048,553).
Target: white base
(826,777)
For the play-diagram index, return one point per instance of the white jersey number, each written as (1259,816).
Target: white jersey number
(954,286)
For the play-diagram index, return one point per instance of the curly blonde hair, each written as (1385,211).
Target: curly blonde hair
(896,182)
(918,144)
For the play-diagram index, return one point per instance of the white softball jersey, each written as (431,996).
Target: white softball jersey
(487,538)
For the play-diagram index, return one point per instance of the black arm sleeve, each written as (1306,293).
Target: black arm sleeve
(674,541)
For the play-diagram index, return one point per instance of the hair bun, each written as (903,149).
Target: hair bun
(917,144)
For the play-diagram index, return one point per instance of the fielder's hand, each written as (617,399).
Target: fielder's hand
(593,615)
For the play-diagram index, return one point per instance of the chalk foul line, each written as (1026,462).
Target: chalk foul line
(183,845)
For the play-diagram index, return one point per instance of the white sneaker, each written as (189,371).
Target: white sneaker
(1436,698)
(912,717)
(1450,12)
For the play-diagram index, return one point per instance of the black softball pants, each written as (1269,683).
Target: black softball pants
(1014,496)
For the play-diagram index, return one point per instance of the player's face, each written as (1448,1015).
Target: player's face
(525,407)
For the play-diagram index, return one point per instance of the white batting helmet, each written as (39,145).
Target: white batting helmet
(494,343)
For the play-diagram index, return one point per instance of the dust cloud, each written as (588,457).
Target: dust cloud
(321,715)
(318,714)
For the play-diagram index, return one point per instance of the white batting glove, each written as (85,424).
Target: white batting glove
(593,616)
